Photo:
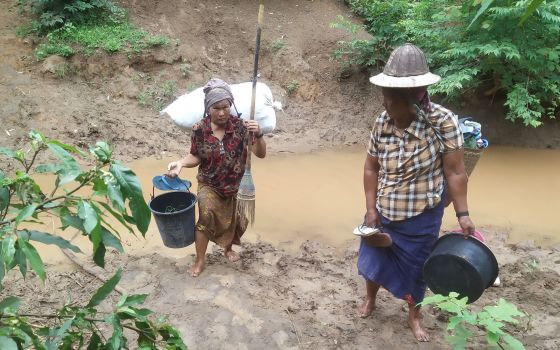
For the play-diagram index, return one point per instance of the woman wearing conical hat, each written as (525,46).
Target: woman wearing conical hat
(415,150)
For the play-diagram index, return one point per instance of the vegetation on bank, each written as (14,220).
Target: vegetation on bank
(509,47)
(90,190)
(77,26)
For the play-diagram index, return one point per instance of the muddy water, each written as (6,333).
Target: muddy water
(319,196)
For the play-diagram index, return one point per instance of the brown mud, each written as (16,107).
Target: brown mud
(279,296)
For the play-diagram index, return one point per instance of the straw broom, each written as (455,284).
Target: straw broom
(246,193)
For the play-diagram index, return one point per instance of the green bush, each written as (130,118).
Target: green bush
(53,14)
(507,46)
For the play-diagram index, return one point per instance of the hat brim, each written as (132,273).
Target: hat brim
(384,80)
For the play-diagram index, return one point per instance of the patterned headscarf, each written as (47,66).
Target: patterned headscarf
(216,90)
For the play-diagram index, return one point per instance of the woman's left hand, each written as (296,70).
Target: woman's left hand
(253,126)
(466,225)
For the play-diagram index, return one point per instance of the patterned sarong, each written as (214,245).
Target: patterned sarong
(218,218)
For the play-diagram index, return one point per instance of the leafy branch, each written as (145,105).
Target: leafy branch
(113,193)
(491,321)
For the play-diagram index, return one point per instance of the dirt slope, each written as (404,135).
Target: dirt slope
(271,299)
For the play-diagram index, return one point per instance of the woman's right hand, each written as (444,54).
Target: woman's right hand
(372,219)
(174,168)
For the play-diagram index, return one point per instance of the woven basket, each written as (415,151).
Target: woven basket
(471,157)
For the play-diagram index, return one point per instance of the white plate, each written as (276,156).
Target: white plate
(365,231)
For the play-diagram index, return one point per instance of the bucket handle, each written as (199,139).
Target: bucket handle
(167,183)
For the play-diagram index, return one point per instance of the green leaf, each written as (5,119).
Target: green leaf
(492,338)
(116,215)
(47,238)
(58,334)
(20,259)
(3,270)
(111,240)
(99,255)
(115,195)
(116,341)
(9,303)
(434,299)
(105,290)
(94,342)
(27,332)
(26,212)
(102,152)
(454,321)
(4,194)
(36,136)
(513,343)
(504,311)
(89,215)
(69,169)
(48,168)
(530,9)
(7,152)
(483,7)
(131,189)
(69,219)
(8,250)
(33,257)
(99,187)
(7,343)
(131,300)
(68,148)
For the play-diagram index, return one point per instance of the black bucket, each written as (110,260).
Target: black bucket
(462,265)
(174,214)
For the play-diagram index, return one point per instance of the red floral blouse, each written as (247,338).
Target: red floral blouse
(223,162)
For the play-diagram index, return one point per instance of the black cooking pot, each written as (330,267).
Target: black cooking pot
(462,265)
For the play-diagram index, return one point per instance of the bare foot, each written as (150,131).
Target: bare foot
(366,309)
(414,323)
(231,256)
(197,268)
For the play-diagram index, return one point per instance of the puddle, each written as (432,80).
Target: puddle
(320,197)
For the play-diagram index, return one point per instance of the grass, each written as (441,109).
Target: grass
(292,87)
(185,69)
(158,96)
(277,45)
(87,38)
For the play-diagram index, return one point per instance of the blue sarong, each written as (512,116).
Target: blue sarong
(398,268)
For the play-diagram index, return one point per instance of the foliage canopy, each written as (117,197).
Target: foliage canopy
(500,45)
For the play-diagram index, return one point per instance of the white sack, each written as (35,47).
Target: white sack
(189,108)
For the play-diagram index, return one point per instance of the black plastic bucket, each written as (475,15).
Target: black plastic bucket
(174,214)
(462,265)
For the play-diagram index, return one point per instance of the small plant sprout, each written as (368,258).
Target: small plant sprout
(532,265)
(292,87)
(277,44)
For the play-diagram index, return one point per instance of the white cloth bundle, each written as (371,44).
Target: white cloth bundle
(188,109)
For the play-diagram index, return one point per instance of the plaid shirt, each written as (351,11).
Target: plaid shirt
(411,166)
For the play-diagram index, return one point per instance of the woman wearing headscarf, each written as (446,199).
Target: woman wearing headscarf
(219,149)
(415,150)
